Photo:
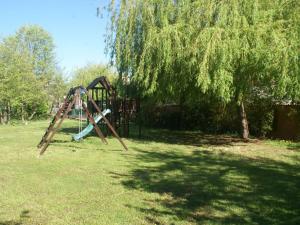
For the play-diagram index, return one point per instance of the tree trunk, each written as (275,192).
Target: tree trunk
(22,114)
(244,121)
(1,118)
(4,115)
(8,112)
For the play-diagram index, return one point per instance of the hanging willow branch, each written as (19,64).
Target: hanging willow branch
(223,47)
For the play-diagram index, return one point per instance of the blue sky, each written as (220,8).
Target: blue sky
(77,31)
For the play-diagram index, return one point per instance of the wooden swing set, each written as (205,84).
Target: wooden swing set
(62,113)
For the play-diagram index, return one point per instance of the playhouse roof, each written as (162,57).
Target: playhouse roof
(102,81)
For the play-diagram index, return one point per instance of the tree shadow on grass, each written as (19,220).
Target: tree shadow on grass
(10,223)
(23,216)
(193,138)
(205,187)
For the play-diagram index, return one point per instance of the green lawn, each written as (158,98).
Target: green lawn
(167,178)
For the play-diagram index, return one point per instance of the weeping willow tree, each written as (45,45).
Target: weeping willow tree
(230,49)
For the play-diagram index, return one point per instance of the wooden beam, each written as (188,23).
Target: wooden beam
(46,144)
(53,122)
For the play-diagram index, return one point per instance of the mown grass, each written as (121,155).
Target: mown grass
(165,178)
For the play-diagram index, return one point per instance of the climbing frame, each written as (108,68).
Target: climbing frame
(62,114)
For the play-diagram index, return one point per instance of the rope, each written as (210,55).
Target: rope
(80,115)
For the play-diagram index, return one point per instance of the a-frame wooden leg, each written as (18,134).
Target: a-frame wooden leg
(106,120)
(92,121)
(46,144)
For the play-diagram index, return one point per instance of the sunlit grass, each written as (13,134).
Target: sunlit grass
(164,178)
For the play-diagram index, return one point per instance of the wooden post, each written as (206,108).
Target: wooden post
(106,106)
(102,105)
(123,116)
(126,118)
(138,111)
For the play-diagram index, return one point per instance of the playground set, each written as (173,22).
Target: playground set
(103,109)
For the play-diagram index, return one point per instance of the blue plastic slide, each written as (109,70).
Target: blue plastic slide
(90,127)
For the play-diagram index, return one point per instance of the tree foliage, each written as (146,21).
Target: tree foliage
(234,50)
(85,75)
(225,47)
(40,47)
(30,80)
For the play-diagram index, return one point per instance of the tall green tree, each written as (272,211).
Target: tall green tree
(30,79)
(20,90)
(230,49)
(40,46)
